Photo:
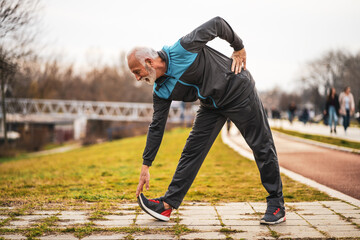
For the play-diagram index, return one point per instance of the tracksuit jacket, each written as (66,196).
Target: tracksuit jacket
(197,71)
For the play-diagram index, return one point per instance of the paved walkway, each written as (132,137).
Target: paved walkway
(320,220)
(336,169)
(56,150)
(352,133)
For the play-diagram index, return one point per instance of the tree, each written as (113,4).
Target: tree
(352,76)
(336,69)
(325,72)
(16,19)
(7,70)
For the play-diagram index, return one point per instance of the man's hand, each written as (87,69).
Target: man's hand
(144,180)
(239,60)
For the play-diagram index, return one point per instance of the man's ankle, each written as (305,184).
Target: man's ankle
(167,206)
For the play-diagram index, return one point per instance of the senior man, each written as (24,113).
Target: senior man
(190,70)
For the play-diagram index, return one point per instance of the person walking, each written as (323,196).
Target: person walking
(332,109)
(347,106)
(189,70)
(291,111)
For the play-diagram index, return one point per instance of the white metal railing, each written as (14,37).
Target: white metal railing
(117,111)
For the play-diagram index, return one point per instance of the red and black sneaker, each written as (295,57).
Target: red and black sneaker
(154,207)
(273,215)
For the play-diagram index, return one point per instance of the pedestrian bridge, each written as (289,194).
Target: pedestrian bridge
(94,110)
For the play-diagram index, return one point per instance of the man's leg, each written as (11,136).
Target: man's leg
(250,118)
(207,126)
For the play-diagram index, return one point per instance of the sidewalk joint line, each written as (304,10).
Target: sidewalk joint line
(322,232)
(347,219)
(219,217)
(357,207)
(273,233)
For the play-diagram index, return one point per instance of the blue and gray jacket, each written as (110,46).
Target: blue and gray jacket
(196,71)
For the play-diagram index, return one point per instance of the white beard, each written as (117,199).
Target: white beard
(151,78)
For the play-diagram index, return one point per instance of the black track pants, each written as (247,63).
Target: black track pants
(249,117)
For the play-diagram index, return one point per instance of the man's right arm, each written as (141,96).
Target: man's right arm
(154,137)
(216,27)
(156,129)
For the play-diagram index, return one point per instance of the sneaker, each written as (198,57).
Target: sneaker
(273,215)
(154,207)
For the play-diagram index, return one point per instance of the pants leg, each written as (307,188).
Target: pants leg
(331,116)
(335,118)
(207,126)
(250,118)
(347,119)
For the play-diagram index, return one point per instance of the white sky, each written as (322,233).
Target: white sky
(279,36)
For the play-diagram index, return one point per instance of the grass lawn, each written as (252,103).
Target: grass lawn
(108,173)
(319,138)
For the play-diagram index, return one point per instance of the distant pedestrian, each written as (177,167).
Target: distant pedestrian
(275,114)
(311,115)
(292,109)
(304,117)
(347,106)
(331,111)
(358,117)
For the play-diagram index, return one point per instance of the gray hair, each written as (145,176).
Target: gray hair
(141,53)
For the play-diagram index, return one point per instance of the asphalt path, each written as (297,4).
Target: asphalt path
(333,168)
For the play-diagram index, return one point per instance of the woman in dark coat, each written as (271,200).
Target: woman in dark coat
(332,109)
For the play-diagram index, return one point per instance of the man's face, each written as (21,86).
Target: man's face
(147,73)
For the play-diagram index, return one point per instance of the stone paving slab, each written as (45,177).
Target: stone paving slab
(321,220)
(155,236)
(14,237)
(45,212)
(204,235)
(144,220)
(105,237)
(59,237)
(301,231)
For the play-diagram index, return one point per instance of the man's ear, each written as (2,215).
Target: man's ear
(149,61)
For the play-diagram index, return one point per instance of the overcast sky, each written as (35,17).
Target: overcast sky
(279,36)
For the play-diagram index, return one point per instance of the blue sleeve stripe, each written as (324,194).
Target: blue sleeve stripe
(198,90)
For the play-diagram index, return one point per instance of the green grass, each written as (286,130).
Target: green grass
(323,139)
(108,173)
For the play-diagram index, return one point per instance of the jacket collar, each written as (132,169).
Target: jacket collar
(160,80)
(164,56)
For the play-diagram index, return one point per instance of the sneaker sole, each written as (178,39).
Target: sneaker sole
(283,219)
(151,212)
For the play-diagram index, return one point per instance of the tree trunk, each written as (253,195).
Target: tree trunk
(3,108)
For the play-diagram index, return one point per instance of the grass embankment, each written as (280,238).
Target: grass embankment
(319,138)
(109,172)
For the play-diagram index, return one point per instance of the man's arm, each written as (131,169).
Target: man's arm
(154,137)
(156,129)
(216,27)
